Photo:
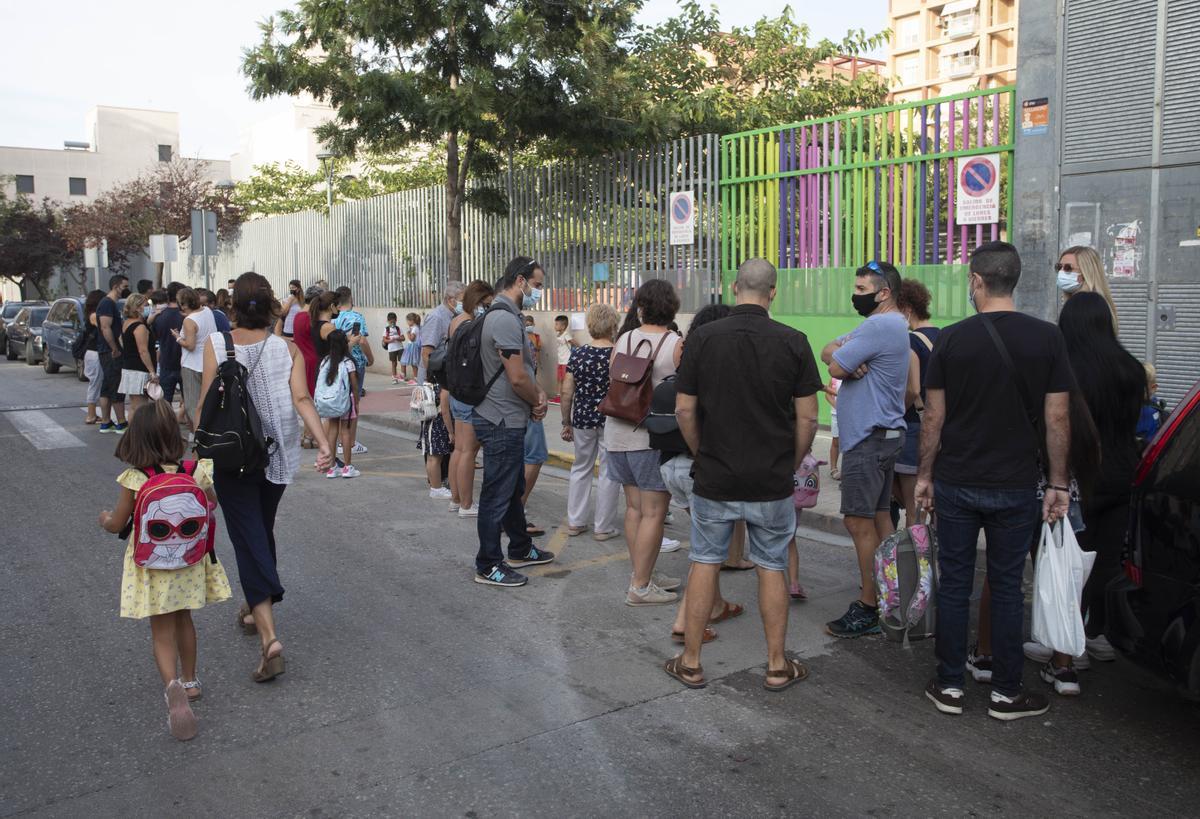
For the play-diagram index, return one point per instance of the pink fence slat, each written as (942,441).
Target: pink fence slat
(837,196)
(825,195)
(966,138)
(996,140)
(979,143)
(951,186)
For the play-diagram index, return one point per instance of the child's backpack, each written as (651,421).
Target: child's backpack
(630,385)
(423,403)
(464,363)
(173,522)
(906,581)
(807,482)
(230,430)
(332,400)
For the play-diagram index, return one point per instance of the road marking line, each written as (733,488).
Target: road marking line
(41,431)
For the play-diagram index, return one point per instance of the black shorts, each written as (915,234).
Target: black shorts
(110,371)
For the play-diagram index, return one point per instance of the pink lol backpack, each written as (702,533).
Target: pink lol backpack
(807,482)
(173,523)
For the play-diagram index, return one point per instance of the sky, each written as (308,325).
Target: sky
(61,58)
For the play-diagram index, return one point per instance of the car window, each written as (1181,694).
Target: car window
(37,316)
(10,310)
(58,312)
(22,316)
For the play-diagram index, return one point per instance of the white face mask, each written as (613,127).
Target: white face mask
(1067,282)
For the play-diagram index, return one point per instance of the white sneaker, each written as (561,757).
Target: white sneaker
(652,595)
(350,472)
(1100,649)
(471,511)
(1038,652)
(440,493)
(1081,663)
(333,472)
(454,507)
(358,449)
(669,545)
(665,581)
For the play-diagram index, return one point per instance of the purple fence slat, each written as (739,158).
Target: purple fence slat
(966,138)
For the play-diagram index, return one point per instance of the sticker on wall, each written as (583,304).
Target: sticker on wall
(600,271)
(1035,116)
(1127,256)
(978,200)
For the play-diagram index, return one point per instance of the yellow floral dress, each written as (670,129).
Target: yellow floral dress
(145,592)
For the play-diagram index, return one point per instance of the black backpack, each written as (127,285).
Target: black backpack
(661,423)
(464,363)
(435,371)
(230,431)
(82,342)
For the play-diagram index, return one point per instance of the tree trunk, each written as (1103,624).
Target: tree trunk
(454,260)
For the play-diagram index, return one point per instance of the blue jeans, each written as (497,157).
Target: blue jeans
(500,495)
(1008,518)
(169,381)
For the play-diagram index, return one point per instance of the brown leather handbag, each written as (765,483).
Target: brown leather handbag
(630,385)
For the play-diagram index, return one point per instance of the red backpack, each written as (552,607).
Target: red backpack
(173,522)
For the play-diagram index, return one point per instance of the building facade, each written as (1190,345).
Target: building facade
(287,136)
(1112,161)
(120,143)
(939,48)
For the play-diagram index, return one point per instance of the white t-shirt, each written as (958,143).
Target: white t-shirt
(206,325)
(393,338)
(564,347)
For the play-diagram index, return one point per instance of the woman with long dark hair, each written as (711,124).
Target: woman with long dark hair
(1113,384)
(91,358)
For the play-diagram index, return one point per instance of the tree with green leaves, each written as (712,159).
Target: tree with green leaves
(32,245)
(486,78)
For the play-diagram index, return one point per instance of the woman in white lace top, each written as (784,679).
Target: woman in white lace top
(277,383)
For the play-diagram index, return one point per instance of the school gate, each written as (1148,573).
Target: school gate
(819,199)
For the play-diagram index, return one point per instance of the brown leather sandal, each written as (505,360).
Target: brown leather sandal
(709,636)
(248,629)
(677,669)
(272,667)
(795,672)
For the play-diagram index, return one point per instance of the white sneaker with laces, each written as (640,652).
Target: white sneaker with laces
(669,545)
(454,507)
(350,472)
(665,581)
(333,472)
(652,595)
(471,511)
(440,493)
(358,449)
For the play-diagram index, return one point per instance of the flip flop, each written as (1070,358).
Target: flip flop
(795,672)
(729,611)
(677,669)
(533,530)
(709,636)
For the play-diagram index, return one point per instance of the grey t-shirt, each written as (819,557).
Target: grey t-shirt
(877,400)
(503,330)
(434,330)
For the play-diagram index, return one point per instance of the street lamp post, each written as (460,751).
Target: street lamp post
(327,163)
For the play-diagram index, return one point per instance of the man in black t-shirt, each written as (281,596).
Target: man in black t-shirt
(747,407)
(164,325)
(979,468)
(108,345)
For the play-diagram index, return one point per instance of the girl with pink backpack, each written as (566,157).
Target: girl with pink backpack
(166,508)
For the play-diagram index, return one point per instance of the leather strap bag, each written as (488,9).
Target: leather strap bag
(630,385)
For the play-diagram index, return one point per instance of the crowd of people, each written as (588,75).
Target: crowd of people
(997,422)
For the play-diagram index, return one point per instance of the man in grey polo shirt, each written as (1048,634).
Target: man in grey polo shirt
(500,421)
(437,324)
(873,363)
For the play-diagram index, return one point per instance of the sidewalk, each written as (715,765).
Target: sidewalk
(388,404)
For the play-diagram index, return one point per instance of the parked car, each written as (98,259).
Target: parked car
(62,326)
(9,312)
(1154,609)
(21,331)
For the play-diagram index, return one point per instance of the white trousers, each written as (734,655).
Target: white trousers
(589,444)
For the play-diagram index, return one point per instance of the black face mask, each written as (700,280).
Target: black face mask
(125,293)
(864,303)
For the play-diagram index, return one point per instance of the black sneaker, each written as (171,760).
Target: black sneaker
(1064,680)
(1022,705)
(980,665)
(858,620)
(501,575)
(535,557)
(948,699)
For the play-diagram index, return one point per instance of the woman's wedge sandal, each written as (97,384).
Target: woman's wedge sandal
(272,667)
(249,629)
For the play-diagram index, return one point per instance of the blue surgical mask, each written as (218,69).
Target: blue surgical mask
(531,298)
(146,311)
(971,297)
(480,310)
(458,307)
(1067,282)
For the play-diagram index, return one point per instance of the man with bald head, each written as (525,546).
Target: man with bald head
(747,406)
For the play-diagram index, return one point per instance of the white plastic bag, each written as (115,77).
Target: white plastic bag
(1062,569)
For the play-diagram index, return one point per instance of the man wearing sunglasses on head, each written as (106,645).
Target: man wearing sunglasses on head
(873,363)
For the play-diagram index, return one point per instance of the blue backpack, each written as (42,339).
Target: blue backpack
(332,400)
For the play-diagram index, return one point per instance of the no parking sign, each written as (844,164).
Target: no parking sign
(978,200)
(683,218)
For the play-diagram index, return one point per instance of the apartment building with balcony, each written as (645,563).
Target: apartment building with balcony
(940,48)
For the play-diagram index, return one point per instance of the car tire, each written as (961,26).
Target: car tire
(29,357)
(49,364)
(9,352)
(79,370)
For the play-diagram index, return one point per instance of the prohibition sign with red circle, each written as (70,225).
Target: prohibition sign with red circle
(681,210)
(977,177)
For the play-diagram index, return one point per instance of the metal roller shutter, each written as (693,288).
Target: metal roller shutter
(1178,350)
(1181,87)
(1108,86)
(1132,300)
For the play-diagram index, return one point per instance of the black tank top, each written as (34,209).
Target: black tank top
(321,345)
(130,358)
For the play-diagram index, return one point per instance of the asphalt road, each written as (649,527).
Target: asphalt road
(411,691)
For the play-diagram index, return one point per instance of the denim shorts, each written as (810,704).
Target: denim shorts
(638,468)
(535,443)
(460,411)
(770,527)
(677,477)
(908,461)
(867,471)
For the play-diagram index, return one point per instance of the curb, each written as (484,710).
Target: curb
(823,521)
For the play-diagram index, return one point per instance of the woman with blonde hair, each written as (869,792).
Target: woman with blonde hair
(1080,270)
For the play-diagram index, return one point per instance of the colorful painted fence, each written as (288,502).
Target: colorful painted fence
(821,198)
